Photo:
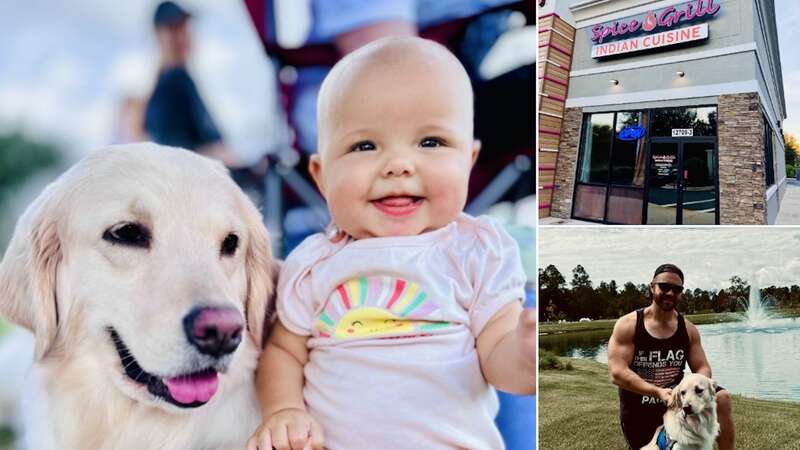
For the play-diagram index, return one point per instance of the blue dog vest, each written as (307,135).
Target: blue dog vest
(664,443)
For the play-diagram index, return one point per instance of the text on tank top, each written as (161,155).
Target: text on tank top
(658,361)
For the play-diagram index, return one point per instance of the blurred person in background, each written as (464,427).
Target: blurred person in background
(175,114)
(129,126)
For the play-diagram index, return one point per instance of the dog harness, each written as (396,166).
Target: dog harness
(663,441)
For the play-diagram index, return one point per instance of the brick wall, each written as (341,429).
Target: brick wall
(556,42)
(742,182)
(565,166)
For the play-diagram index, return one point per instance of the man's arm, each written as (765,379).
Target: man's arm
(507,350)
(620,356)
(698,362)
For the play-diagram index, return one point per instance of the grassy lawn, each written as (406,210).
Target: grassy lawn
(697,319)
(579,409)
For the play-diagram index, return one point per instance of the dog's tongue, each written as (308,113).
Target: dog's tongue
(199,387)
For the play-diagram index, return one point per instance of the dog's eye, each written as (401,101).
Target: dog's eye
(229,245)
(131,234)
(683,392)
(698,390)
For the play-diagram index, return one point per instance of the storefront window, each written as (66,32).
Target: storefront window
(701,120)
(613,156)
(681,168)
(590,202)
(628,154)
(594,168)
(769,168)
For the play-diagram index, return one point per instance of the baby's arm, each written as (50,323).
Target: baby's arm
(507,350)
(286,423)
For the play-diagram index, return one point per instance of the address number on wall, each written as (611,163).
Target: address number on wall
(682,132)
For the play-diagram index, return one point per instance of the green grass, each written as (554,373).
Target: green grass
(608,324)
(579,409)
(6,438)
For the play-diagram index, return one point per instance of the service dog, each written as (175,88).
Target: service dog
(145,276)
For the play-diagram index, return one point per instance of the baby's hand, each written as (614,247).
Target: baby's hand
(287,429)
(526,333)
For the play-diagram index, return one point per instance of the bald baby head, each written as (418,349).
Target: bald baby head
(397,71)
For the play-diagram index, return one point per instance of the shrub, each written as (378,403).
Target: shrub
(549,361)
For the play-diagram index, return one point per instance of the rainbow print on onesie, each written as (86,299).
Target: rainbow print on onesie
(378,307)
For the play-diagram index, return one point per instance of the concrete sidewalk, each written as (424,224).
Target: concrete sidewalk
(557,221)
(789,214)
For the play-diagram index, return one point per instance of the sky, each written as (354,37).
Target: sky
(708,257)
(788,21)
(65,67)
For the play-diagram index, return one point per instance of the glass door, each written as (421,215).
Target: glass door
(699,196)
(682,186)
(662,196)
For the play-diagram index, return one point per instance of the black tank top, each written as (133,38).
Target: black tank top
(658,361)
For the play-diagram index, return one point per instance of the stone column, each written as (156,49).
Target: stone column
(565,165)
(742,179)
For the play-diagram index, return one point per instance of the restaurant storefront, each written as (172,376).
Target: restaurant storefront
(618,183)
(673,115)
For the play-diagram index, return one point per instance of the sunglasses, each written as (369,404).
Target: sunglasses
(666,287)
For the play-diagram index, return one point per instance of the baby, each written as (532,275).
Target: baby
(393,327)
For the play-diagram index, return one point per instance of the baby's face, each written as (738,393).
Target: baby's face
(396,151)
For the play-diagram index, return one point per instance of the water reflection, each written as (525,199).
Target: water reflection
(756,361)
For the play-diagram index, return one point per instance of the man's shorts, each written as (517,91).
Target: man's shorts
(640,426)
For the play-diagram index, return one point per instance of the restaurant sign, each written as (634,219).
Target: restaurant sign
(668,26)
(672,37)
(631,133)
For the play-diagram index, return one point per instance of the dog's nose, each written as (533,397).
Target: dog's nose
(214,331)
(688,410)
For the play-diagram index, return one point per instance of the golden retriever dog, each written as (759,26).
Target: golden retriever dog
(145,276)
(690,422)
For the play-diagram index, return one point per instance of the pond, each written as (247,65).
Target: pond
(760,361)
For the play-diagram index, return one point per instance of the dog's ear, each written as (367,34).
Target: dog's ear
(262,276)
(28,270)
(714,386)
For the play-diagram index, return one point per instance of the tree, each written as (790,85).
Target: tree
(738,292)
(552,292)
(584,301)
(791,148)
(607,300)
(550,278)
(580,278)
(20,159)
